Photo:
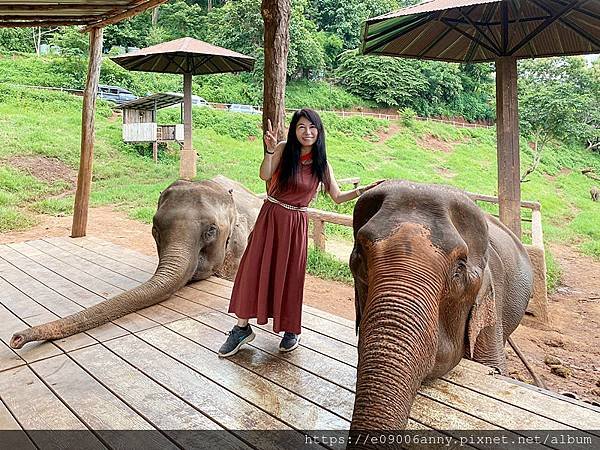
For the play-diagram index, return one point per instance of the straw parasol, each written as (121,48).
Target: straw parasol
(186,56)
(501,31)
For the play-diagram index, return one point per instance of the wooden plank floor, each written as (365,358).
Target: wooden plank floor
(157,369)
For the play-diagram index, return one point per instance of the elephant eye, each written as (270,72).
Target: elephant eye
(211,232)
(460,268)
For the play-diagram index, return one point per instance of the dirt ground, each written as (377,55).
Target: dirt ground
(565,353)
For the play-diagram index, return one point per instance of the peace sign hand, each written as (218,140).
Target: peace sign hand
(270,137)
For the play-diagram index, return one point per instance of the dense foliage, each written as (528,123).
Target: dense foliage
(558,97)
(320,31)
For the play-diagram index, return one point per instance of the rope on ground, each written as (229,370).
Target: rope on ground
(537,380)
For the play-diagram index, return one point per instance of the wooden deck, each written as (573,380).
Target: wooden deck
(158,369)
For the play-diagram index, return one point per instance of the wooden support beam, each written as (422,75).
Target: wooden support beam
(59,6)
(39,23)
(507,129)
(126,14)
(276,17)
(84,179)
(187,162)
(319,234)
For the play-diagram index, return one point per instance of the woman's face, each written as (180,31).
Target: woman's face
(306,132)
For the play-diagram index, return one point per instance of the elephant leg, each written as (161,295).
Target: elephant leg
(489,348)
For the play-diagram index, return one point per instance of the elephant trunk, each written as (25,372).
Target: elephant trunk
(397,348)
(176,266)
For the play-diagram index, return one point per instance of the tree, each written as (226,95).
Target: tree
(38,34)
(558,100)
(237,25)
(16,40)
(306,55)
(178,19)
(276,15)
(344,18)
(390,81)
(129,33)
(71,41)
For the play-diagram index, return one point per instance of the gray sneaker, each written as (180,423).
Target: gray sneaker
(289,342)
(237,337)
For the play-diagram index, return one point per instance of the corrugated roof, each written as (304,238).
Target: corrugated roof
(35,13)
(483,30)
(160,100)
(185,55)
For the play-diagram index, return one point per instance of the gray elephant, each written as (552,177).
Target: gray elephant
(200,228)
(435,279)
(595,193)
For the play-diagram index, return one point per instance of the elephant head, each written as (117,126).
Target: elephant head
(200,229)
(427,266)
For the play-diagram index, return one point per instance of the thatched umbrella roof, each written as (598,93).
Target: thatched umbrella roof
(483,30)
(185,55)
(189,57)
(490,30)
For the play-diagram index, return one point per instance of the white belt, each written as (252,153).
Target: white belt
(285,205)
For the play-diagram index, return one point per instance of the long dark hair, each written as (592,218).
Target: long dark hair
(290,159)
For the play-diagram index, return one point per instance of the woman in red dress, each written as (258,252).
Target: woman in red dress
(270,279)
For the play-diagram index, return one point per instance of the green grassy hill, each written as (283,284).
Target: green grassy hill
(48,124)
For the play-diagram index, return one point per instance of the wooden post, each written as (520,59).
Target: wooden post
(187,163)
(155,151)
(276,16)
(507,129)
(538,305)
(84,179)
(319,234)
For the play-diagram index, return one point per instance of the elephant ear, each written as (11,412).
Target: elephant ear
(483,313)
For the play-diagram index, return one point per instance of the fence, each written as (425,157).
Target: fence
(225,106)
(78,92)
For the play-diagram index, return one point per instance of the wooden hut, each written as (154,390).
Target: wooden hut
(140,122)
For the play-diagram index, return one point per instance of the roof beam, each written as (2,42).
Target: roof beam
(584,34)
(63,6)
(40,23)
(393,36)
(481,32)
(504,33)
(496,23)
(16,17)
(580,9)
(468,36)
(543,26)
(172,60)
(125,14)
(199,63)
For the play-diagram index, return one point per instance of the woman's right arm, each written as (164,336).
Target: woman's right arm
(270,162)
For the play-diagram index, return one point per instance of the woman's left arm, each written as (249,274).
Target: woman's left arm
(339,196)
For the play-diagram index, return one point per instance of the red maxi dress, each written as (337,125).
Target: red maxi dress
(270,278)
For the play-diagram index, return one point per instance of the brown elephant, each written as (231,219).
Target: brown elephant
(436,279)
(200,228)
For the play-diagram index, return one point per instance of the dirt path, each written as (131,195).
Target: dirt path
(573,337)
